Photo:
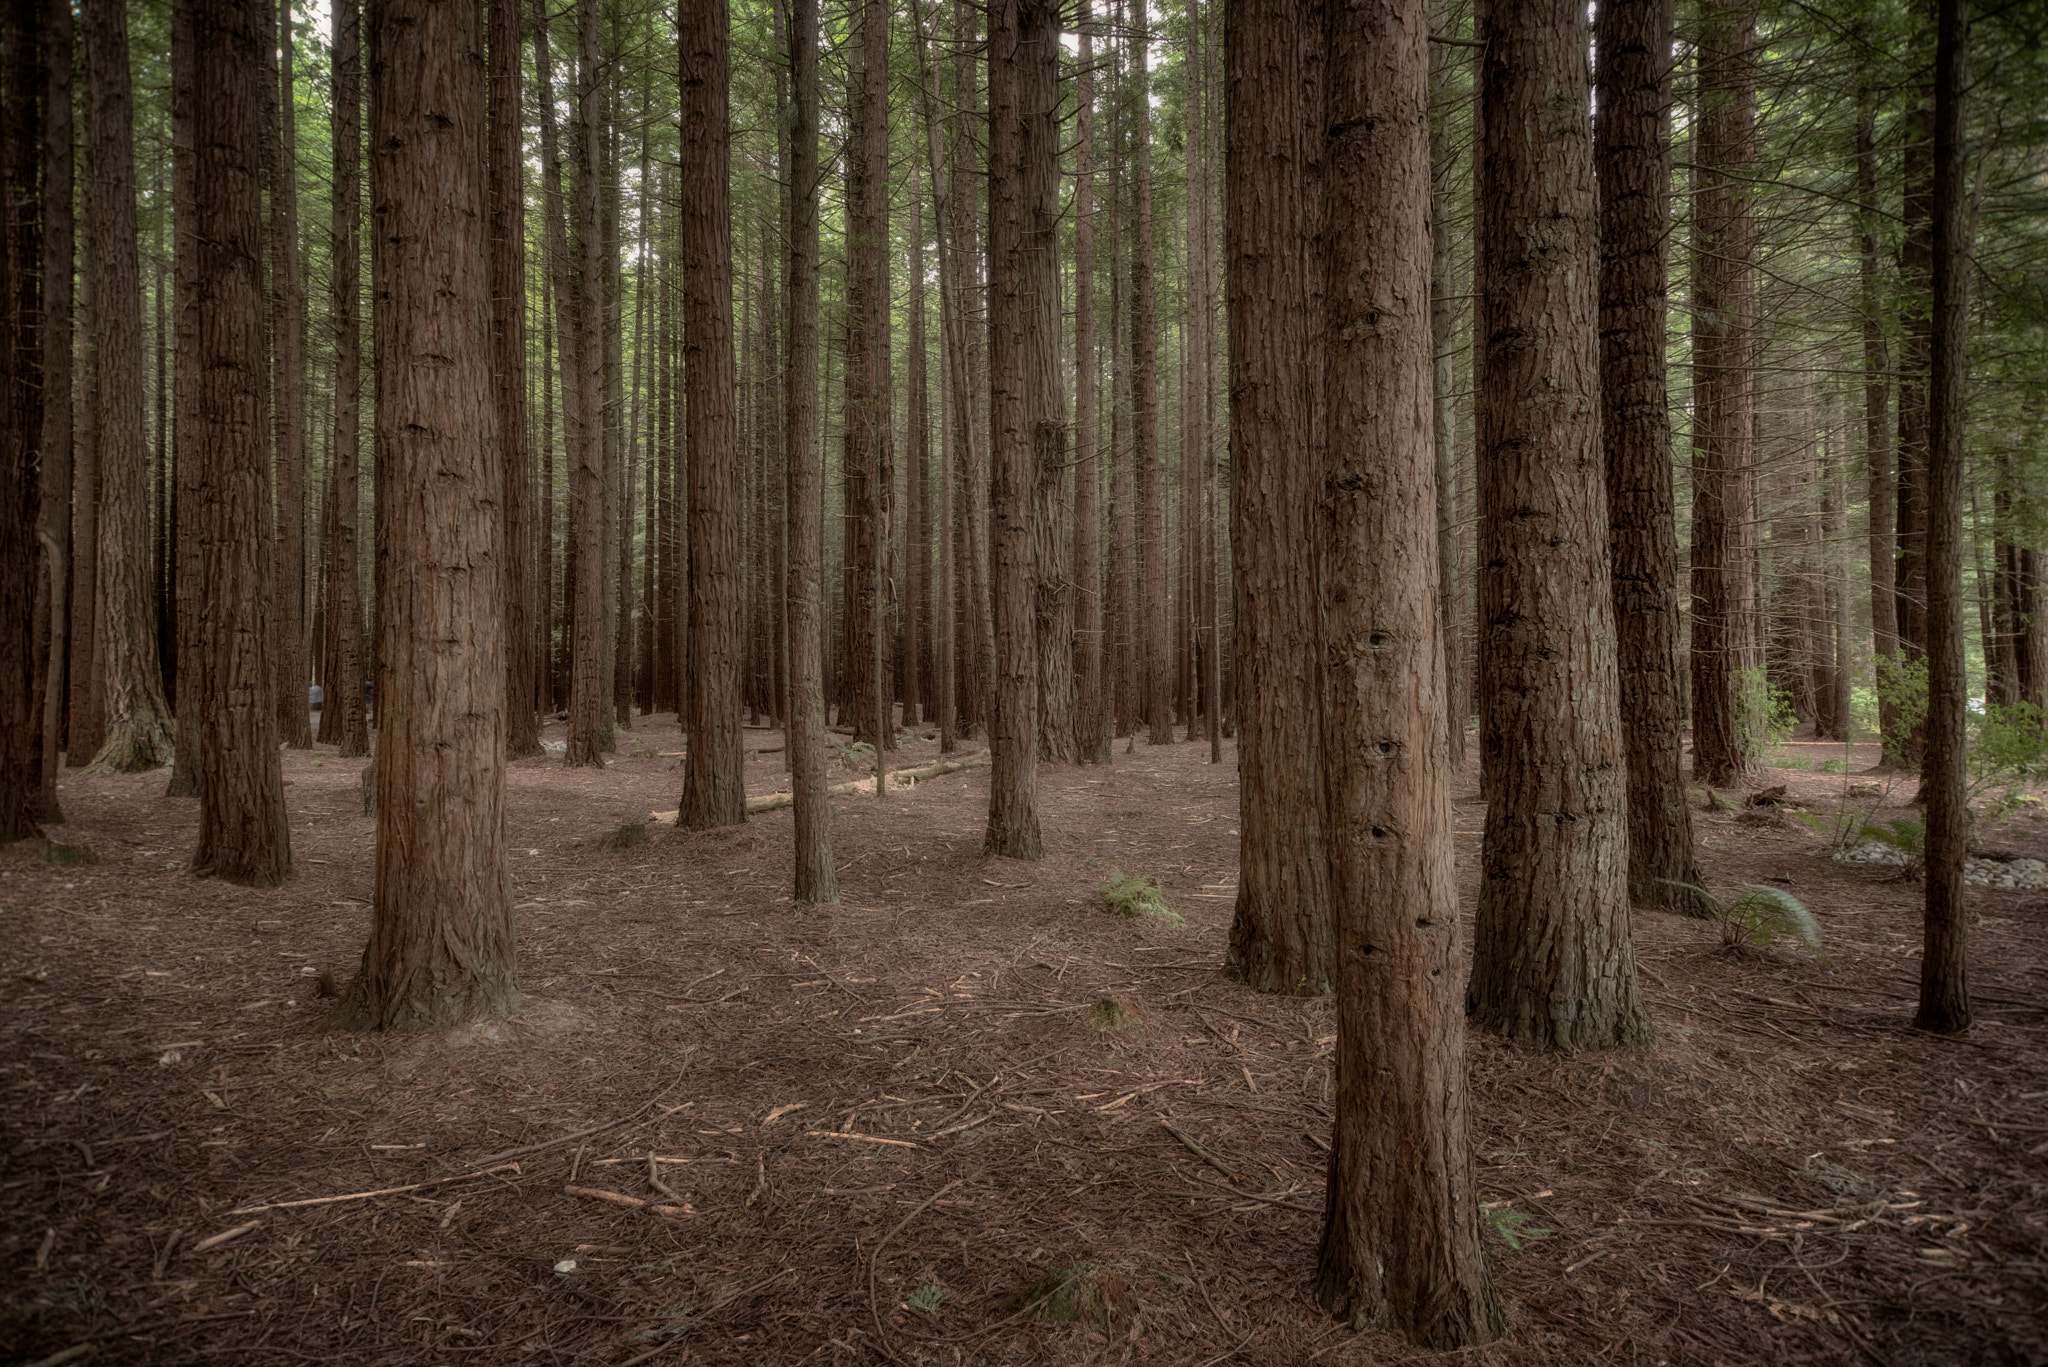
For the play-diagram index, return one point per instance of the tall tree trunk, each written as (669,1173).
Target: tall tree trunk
(1282,938)
(1025,417)
(1401,1234)
(1194,388)
(1091,718)
(56,415)
(918,441)
(1156,665)
(186,381)
(244,836)
(1445,95)
(804,588)
(440,951)
(714,792)
(507,202)
(1554,961)
(22,88)
(287,340)
(868,461)
(1916,272)
(85,727)
(1052,491)
(343,701)
(583,303)
(1944,959)
(977,692)
(1877,449)
(1634,177)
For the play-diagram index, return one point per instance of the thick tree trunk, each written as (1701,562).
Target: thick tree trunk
(1401,1236)
(85,725)
(343,702)
(56,416)
(186,380)
(804,588)
(1282,938)
(714,792)
(1634,176)
(1944,961)
(22,87)
(287,339)
(244,835)
(507,203)
(1724,392)
(868,461)
(1554,961)
(1091,718)
(440,951)
(1157,664)
(582,302)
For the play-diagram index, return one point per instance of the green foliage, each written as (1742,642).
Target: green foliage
(1139,897)
(1763,713)
(1902,683)
(926,1298)
(82,1296)
(2008,750)
(65,856)
(1116,1016)
(1758,914)
(1511,1225)
(625,836)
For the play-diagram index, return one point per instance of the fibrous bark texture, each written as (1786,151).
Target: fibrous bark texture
(1091,716)
(342,721)
(1401,1236)
(440,950)
(21,403)
(1157,667)
(1554,962)
(1281,939)
(508,365)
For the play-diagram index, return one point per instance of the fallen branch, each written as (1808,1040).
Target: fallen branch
(864,1138)
(1198,1151)
(630,1202)
(361,1195)
(217,1240)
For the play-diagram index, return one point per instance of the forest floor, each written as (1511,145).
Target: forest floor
(900,1130)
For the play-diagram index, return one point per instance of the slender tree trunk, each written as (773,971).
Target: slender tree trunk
(945,673)
(85,728)
(1554,960)
(186,381)
(56,415)
(1877,450)
(1401,1234)
(440,951)
(22,87)
(583,302)
(804,588)
(1944,959)
(1634,177)
(868,462)
(1193,389)
(918,441)
(344,693)
(1445,93)
(1916,272)
(1157,665)
(1282,938)
(287,338)
(244,836)
(977,694)
(714,792)
(1091,718)
(507,201)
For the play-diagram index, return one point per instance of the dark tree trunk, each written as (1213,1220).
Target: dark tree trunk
(287,340)
(1401,1235)
(508,366)
(1916,285)
(912,583)
(22,89)
(1634,176)
(244,835)
(1282,938)
(54,204)
(1944,959)
(342,709)
(440,951)
(1156,666)
(1554,961)
(186,381)
(1446,96)
(1091,716)
(868,462)
(713,788)
(582,303)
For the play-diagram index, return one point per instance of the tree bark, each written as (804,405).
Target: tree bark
(85,725)
(913,590)
(583,303)
(287,339)
(714,792)
(244,836)
(507,202)
(868,463)
(56,415)
(1156,665)
(440,951)
(22,89)
(1554,961)
(1944,960)
(1282,938)
(343,701)
(1091,717)
(1634,177)
(1445,96)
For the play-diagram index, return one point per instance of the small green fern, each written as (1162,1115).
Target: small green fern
(1757,914)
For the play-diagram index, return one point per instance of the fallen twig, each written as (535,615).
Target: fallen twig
(1198,1151)
(865,1138)
(217,1240)
(630,1202)
(363,1195)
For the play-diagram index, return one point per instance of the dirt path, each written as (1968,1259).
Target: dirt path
(887,1126)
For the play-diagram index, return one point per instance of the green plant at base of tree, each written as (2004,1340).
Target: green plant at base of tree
(1758,914)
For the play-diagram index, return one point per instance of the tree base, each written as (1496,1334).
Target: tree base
(483,1001)
(134,745)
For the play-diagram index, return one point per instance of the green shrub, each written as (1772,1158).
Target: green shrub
(1139,897)
(1758,914)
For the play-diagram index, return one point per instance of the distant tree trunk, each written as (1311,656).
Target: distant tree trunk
(1400,1243)
(804,588)
(1554,961)
(287,339)
(244,836)
(343,701)
(85,727)
(977,692)
(918,440)
(1916,287)
(868,462)
(1194,388)
(1091,719)
(1052,492)
(507,202)
(944,603)
(186,382)
(1944,960)
(1157,665)
(583,303)
(714,792)
(1724,393)
(1023,112)
(1282,938)
(440,951)
(1877,450)
(22,88)
(1635,219)
(56,415)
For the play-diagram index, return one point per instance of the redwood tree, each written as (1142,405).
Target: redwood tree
(341,716)
(21,402)
(508,366)
(440,950)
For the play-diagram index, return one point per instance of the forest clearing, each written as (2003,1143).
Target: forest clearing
(1790,1175)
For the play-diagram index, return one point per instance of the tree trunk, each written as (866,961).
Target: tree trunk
(1091,719)
(1282,938)
(507,201)
(1156,665)
(918,441)
(1194,388)
(186,381)
(1916,286)
(343,701)
(714,792)
(85,727)
(1724,393)
(1025,417)
(582,302)
(1634,177)
(1877,450)
(440,951)
(1944,959)
(22,87)
(868,460)
(287,339)
(1554,961)
(804,589)
(244,836)
(56,413)
(1445,96)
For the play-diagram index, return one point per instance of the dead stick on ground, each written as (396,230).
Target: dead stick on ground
(881,1334)
(366,1195)
(1198,1151)
(630,1202)
(654,1179)
(217,1240)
